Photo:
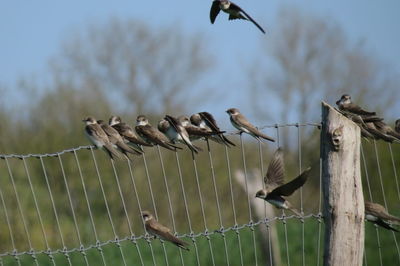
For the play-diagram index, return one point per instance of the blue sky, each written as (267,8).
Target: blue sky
(32,31)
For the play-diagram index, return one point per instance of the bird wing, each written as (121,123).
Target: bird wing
(379,211)
(288,188)
(250,127)
(354,108)
(97,132)
(386,225)
(214,11)
(276,173)
(127,132)
(234,6)
(164,233)
(210,121)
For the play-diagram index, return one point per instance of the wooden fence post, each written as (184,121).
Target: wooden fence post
(342,188)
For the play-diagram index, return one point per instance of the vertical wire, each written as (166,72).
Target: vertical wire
(202,208)
(283,212)
(186,206)
(301,193)
(233,204)
(397,183)
(107,207)
(217,200)
(20,209)
(87,202)
(319,212)
(149,186)
(9,227)
(140,210)
(248,198)
(73,212)
(383,191)
(54,209)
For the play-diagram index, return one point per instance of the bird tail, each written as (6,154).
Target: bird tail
(266,137)
(182,244)
(386,225)
(123,146)
(113,153)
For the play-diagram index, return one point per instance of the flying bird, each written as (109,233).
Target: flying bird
(234,11)
(240,122)
(151,135)
(207,121)
(128,133)
(154,228)
(175,132)
(275,190)
(377,214)
(99,138)
(117,140)
(345,104)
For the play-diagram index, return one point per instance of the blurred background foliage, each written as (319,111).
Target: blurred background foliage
(126,68)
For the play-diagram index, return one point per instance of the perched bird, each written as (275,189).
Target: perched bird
(240,122)
(156,229)
(99,138)
(379,134)
(151,135)
(195,132)
(385,129)
(275,190)
(345,104)
(128,133)
(207,121)
(397,126)
(234,11)
(377,214)
(175,132)
(116,139)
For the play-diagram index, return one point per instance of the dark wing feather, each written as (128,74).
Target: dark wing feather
(386,225)
(247,16)
(276,173)
(354,108)
(206,116)
(292,186)
(214,11)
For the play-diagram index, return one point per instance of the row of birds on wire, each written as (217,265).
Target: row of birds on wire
(117,137)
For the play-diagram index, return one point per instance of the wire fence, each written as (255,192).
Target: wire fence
(77,207)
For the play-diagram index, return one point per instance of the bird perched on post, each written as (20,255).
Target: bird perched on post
(275,190)
(234,11)
(151,135)
(345,104)
(240,122)
(156,229)
(377,214)
(99,138)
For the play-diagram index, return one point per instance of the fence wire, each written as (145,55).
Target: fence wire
(77,207)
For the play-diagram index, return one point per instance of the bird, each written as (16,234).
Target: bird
(379,134)
(175,132)
(195,132)
(275,190)
(377,214)
(117,140)
(385,129)
(152,135)
(345,104)
(207,121)
(234,11)
(397,126)
(128,133)
(154,228)
(240,122)
(99,138)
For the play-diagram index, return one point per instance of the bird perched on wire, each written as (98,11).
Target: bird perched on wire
(206,120)
(378,215)
(117,140)
(175,132)
(397,126)
(128,133)
(240,122)
(345,104)
(99,138)
(275,190)
(194,131)
(234,11)
(152,135)
(154,228)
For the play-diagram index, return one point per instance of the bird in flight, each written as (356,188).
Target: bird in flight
(234,11)
(154,228)
(240,122)
(275,190)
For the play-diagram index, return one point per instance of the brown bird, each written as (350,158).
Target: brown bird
(128,133)
(99,138)
(195,132)
(385,129)
(240,122)
(117,140)
(152,135)
(345,103)
(275,190)
(397,126)
(377,214)
(207,121)
(156,229)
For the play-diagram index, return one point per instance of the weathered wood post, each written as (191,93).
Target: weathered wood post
(343,194)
